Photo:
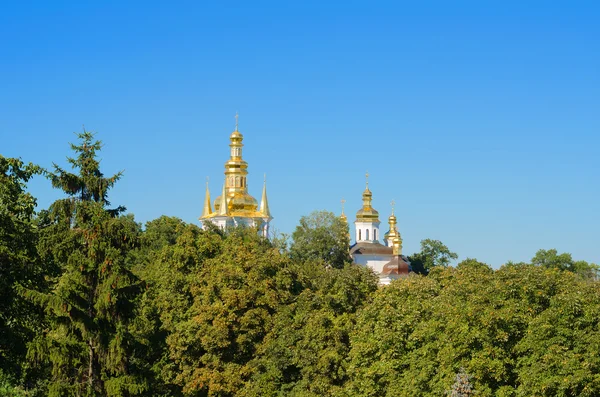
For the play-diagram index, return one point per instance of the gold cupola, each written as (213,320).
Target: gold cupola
(393,233)
(239,202)
(367,213)
(397,246)
(235,206)
(343,216)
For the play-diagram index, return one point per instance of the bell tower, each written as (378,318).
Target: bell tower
(367,219)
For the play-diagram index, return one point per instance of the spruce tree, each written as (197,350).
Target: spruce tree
(89,304)
(462,386)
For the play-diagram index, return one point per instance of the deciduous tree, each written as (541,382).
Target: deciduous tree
(321,236)
(433,253)
(19,265)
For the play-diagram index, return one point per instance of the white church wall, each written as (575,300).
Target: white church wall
(375,262)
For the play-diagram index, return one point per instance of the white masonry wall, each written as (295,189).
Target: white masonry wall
(361,229)
(375,262)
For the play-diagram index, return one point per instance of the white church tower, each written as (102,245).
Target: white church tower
(385,260)
(367,219)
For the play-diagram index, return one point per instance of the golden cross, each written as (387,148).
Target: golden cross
(236,120)
(207,182)
(343,202)
(367,175)
(393,204)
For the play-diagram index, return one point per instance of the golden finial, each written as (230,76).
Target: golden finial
(265,178)
(393,203)
(343,202)
(367,176)
(236,120)
(207,179)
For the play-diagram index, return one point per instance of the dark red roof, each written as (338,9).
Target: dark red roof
(370,248)
(397,266)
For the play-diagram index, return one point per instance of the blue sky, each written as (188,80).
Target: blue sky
(480,119)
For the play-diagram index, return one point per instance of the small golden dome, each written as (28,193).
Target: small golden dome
(236,136)
(367,213)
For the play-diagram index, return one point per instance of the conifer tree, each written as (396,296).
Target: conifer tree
(89,304)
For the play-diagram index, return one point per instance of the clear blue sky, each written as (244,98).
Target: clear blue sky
(481,119)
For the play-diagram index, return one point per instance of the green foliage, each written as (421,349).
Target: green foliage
(89,303)
(433,253)
(19,264)
(500,326)
(321,236)
(550,259)
(305,352)
(215,295)
(558,356)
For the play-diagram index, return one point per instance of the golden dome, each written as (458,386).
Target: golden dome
(243,202)
(235,199)
(238,202)
(393,232)
(367,213)
(236,135)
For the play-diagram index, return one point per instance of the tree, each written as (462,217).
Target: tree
(305,352)
(215,293)
(89,304)
(19,264)
(551,259)
(321,236)
(558,355)
(433,253)
(520,330)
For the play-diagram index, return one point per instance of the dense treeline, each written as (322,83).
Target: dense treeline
(92,304)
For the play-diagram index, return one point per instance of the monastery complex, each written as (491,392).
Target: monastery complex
(235,206)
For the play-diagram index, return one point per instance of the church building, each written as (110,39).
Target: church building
(385,259)
(235,206)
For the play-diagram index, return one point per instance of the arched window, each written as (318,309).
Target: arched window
(374,234)
(359,235)
(237,181)
(367,234)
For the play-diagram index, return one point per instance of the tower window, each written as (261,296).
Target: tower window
(374,234)
(367,234)
(359,235)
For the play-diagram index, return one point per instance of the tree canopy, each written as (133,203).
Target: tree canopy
(94,304)
(321,236)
